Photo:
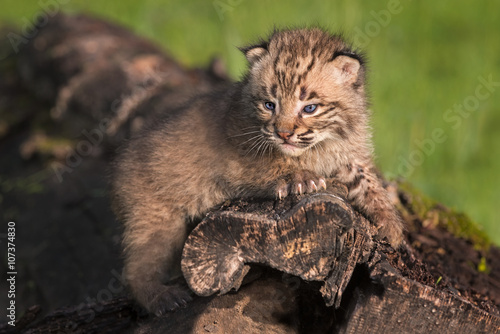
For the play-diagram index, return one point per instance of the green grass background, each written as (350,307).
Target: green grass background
(424,61)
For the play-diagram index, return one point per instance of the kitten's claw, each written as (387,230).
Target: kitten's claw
(282,189)
(302,182)
(305,182)
(299,188)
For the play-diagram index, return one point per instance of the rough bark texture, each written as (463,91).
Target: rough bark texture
(400,305)
(91,74)
(319,239)
(410,307)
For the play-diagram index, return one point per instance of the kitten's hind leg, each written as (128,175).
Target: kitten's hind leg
(367,194)
(153,254)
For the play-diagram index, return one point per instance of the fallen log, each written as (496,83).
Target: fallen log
(319,239)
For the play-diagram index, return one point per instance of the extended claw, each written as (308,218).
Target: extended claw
(299,188)
(283,190)
(322,184)
(299,183)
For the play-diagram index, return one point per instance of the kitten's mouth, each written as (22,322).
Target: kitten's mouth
(290,148)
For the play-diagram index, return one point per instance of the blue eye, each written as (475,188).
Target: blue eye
(310,108)
(269,105)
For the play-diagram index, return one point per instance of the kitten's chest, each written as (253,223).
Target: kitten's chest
(325,165)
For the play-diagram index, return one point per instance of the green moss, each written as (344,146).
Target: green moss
(431,212)
(482,267)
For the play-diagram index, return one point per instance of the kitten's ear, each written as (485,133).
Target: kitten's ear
(347,70)
(254,52)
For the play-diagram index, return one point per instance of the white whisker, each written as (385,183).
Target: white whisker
(257,139)
(262,146)
(250,127)
(244,134)
(254,137)
(262,141)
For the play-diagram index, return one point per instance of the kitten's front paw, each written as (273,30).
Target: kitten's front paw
(160,299)
(300,183)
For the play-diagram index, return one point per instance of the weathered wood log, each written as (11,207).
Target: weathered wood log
(391,303)
(320,239)
(409,307)
(267,305)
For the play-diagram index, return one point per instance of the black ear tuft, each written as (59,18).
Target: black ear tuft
(254,52)
(350,54)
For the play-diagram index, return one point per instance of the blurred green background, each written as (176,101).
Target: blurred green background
(436,117)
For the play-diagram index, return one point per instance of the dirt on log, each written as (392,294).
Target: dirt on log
(288,259)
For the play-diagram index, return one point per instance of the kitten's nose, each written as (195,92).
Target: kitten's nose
(284,134)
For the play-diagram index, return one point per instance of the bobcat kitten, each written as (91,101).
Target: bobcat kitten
(297,117)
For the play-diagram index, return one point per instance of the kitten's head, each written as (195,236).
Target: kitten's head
(306,87)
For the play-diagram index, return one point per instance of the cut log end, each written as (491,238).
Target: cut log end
(320,238)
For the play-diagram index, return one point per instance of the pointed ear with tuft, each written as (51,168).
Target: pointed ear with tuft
(347,70)
(255,52)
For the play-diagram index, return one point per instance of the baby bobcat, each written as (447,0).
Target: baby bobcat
(297,117)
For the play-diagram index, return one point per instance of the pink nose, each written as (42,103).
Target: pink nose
(284,134)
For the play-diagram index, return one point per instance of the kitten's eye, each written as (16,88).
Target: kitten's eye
(269,105)
(310,108)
